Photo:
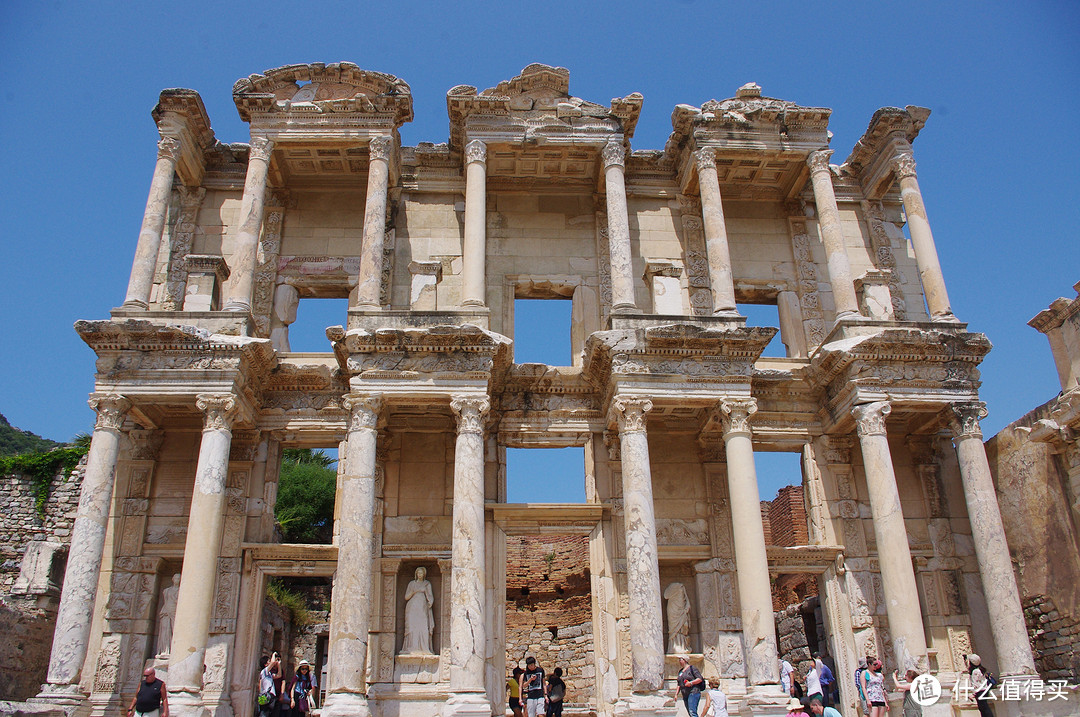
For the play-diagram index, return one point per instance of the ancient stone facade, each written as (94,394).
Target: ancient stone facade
(537,194)
(1036,466)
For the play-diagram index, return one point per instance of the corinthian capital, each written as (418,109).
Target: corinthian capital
(168,148)
(630,412)
(381,147)
(870,418)
(219,410)
(364,411)
(735,414)
(470,412)
(904,165)
(819,161)
(475,151)
(261,148)
(964,419)
(111,409)
(705,159)
(613,154)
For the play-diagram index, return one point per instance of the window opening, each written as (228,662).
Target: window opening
(545,475)
(307,487)
(542,331)
(307,334)
(765,315)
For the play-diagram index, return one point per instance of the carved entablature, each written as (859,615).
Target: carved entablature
(181,115)
(324,96)
(537,106)
(177,360)
(294,391)
(910,367)
(737,130)
(463,352)
(891,132)
(534,387)
(675,359)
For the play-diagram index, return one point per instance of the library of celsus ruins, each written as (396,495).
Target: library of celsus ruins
(535,195)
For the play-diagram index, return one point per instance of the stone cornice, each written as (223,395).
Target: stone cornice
(181,115)
(339,88)
(890,134)
(733,122)
(1060,310)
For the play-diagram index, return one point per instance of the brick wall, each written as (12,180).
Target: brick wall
(549,608)
(787,517)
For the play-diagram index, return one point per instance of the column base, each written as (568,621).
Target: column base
(646,704)
(135,305)
(60,695)
(467,704)
(187,704)
(345,704)
(764,701)
(237,306)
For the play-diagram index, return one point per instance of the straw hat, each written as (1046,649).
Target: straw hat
(794,704)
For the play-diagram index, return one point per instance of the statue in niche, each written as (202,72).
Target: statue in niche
(678,615)
(419,620)
(166,615)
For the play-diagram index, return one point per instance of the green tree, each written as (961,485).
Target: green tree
(305,502)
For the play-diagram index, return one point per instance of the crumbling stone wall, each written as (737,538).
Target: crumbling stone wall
(549,608)
(787,518)
(1054,639)
(27,621)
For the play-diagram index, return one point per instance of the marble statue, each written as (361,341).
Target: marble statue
(678,615)
(166,615)
(419,620)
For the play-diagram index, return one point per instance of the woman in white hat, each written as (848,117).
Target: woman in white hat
(795,708)
(302,690)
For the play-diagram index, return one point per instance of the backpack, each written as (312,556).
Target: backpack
(557,692)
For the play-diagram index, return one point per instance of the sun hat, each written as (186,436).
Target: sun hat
(974,659)
(794,704)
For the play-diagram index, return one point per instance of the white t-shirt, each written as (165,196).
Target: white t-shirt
(717,703)
(813,682)
(785,675)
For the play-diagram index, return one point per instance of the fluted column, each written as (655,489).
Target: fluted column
(72,633)
(832,236)
(202,546)
(246,247)
(369,287)
(468,622)
(474,252)
(642,566)
(350,599)
(622,274)
(894,556)
(716,240)
(922,240)
(995,565)
(153,223)
(751,560)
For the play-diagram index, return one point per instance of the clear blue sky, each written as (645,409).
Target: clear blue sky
(998,161)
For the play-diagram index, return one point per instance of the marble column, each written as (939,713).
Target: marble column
(832,236)
(468,616)
(474,252)
(995,565)
(72,633)
(369,287)
(350,599)
(922,240)
(751,560)
(622,276)
(642,566)
(153,224)
(246,246)
(716,240)
(894,556)
(202,546)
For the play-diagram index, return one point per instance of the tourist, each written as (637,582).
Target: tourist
(533,686)
(513,686)
(795,708)
(302,690)
(786,682)
(816,707)
(151,700)
(268,695)
(279,687)
(859,673)
(689,684)
(981,684)
(556,692)
(874,685)
(825,676)
(911,707)
(715,700)
(813,681)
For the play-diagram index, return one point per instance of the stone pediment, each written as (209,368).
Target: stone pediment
(318,89)
(537,104)
(887,123)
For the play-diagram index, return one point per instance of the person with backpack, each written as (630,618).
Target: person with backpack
(859,675)
(268,695)
(302,690)
(981,684)
(556,693)
(689,684)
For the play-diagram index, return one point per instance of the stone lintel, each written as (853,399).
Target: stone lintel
(180,113)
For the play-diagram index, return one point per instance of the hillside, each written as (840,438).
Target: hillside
(14,441)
